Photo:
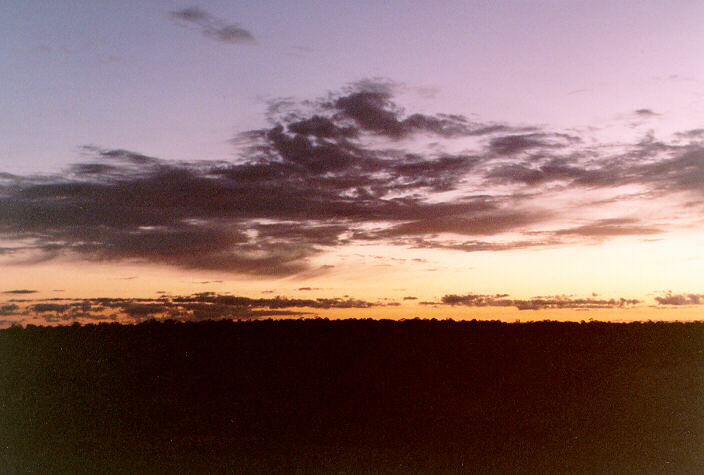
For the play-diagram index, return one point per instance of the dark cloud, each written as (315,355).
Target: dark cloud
(211,26)
(49,307)
(335,171)
(145,309)
(473,300)
(373,111)
(211,305)
(557,169)
(514,144)
(370,108)
(276,302)
(691,134)
(680,299)
(584,303)
(266,215)
(214,312)
(9,309)
(681,171)
(658,167)
(200,306)
(191,14)
(229,34)
(536,303)
(20,291)
(645,113)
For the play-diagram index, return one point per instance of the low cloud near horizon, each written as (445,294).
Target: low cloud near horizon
(199,306)
(214,306)
(535,303)
(680,299)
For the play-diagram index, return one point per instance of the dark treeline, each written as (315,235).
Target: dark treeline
(352,395)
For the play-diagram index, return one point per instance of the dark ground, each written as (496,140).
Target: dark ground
(353,395)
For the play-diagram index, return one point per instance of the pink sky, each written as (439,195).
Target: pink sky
(492,159)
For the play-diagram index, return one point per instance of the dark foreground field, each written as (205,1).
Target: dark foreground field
(352,395)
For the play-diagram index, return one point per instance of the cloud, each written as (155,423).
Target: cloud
(536,303)
(476,245)
(556,169)
(49,307)
(475,223)
(145,309)
(214,312)
(199,306)
(368,107)
(645,113)
(514,144)
(20,291)
(266,215)
(691,134)
(371,110)
(352,167)
(680,299)
(9,309)
(610,227)
(212,305)
(212,27)
(276,302)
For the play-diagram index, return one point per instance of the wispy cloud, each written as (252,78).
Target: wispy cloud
(610,227)
(212,27)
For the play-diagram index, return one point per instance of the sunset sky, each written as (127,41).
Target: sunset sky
(478,159)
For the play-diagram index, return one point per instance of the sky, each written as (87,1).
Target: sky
(508,160)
